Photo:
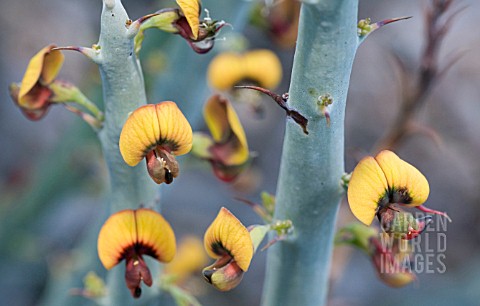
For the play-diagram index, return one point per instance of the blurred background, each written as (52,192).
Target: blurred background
(52,176)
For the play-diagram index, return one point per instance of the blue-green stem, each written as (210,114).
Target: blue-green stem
(309,191)
(123,92)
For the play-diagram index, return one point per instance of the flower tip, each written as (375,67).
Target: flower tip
(110,4)
(14,89)
(162,166)
(223,278)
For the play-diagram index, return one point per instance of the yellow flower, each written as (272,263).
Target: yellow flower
(262,67)
(200,34)
(191,11)
(130,234)
(227,150)
(190,258)
(157,133)
(33,95)
(228,241)
(186,22)
(386,179)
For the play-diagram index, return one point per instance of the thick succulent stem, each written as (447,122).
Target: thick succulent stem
(123,92)
(309,191)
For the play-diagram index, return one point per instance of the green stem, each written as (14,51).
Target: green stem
(309,190)
(123,92)
(65,92)
(90,106)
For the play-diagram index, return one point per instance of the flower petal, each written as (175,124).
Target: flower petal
(144,231)
(225,71)
(41,102)
(117,235)
(191,10)
(264,67)
(174,128)
(44,65)
(367,189)
(228,236)
(155,233)
(403,177)
(51,67)
(140,134)
(226,130)
(150,125)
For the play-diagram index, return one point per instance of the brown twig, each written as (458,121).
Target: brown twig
(281,100)
(438,21)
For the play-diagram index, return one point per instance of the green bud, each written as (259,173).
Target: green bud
(94,285)
(201,145)
(268,201)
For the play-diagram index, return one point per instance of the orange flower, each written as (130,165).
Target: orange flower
(383,180)
(157,133)
(227,149)
(262,67)
(33,96)
(200,34)
(130,234)
(229,242)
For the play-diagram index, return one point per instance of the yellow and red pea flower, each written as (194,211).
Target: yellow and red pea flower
(260,67)
(227,149)
(390,260)
(130,234)
(191,10)
(185,21)
(391,263)
(377,182)
(228,241)
(200,34)
(33,95)
(190,258)
(158,133)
